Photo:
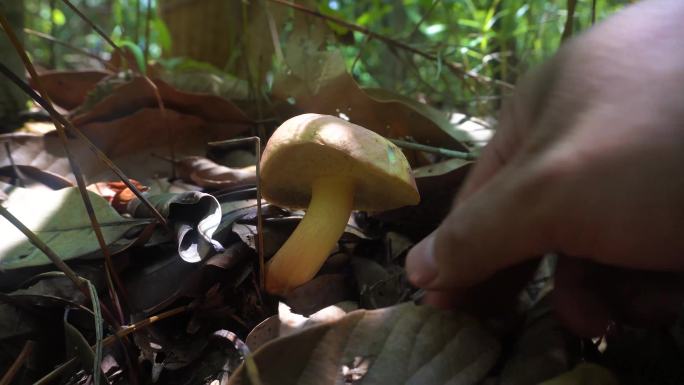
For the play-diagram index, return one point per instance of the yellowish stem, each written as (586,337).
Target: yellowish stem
(303,254)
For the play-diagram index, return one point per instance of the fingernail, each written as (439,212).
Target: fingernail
(421,266)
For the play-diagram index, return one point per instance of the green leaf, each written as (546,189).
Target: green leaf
(137,53)
(404,344)
(60,220)
(58,17)
(163,34)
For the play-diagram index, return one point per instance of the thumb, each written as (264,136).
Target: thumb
(498,226)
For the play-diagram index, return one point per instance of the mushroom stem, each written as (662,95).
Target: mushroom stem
(303,254)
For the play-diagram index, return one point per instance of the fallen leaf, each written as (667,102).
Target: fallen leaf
(205,173)
(147,130)
(214,82)
(322,291)
(405,344)
(287,322)
(68,89)
(60,220)
(318,82)
(138,94)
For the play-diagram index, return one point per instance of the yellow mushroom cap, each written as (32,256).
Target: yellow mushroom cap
(310,146)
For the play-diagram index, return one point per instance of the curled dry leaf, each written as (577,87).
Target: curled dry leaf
(405,344)
(205,173)
(68,89)
(195,217)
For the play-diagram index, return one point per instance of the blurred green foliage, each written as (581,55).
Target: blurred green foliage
(497,39)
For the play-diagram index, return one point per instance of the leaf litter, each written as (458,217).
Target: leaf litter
(353,323)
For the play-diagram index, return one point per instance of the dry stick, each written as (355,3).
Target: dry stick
(260,223)
(123,332)
(18,363)
(454,67)
(62,120)
(55,259)
(80,181)
(53,39)
(17,173)
(433,150)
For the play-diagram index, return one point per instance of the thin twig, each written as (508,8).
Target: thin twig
(454,67)
(260,224)
(80,181)
(53,39)
(101,155)
(123,332)
(93,26)
(18,363)
(434,150)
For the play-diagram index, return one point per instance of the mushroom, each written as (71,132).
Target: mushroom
(332,167)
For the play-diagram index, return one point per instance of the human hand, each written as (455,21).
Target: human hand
(587,163)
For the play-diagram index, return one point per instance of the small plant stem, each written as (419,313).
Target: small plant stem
(433,150)
(260,219)
(111,276)
(18,363)
(454,67)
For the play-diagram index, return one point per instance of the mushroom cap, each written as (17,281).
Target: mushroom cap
(311,146)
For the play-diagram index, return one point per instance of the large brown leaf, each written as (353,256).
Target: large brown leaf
(404,344)
(68,89)
(319,82)
(138,94)
(130,142)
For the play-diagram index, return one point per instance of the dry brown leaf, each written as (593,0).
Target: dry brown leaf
(130,142)
(405,344)
(205,173)
(68,89)
(319,82)
(138,94)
